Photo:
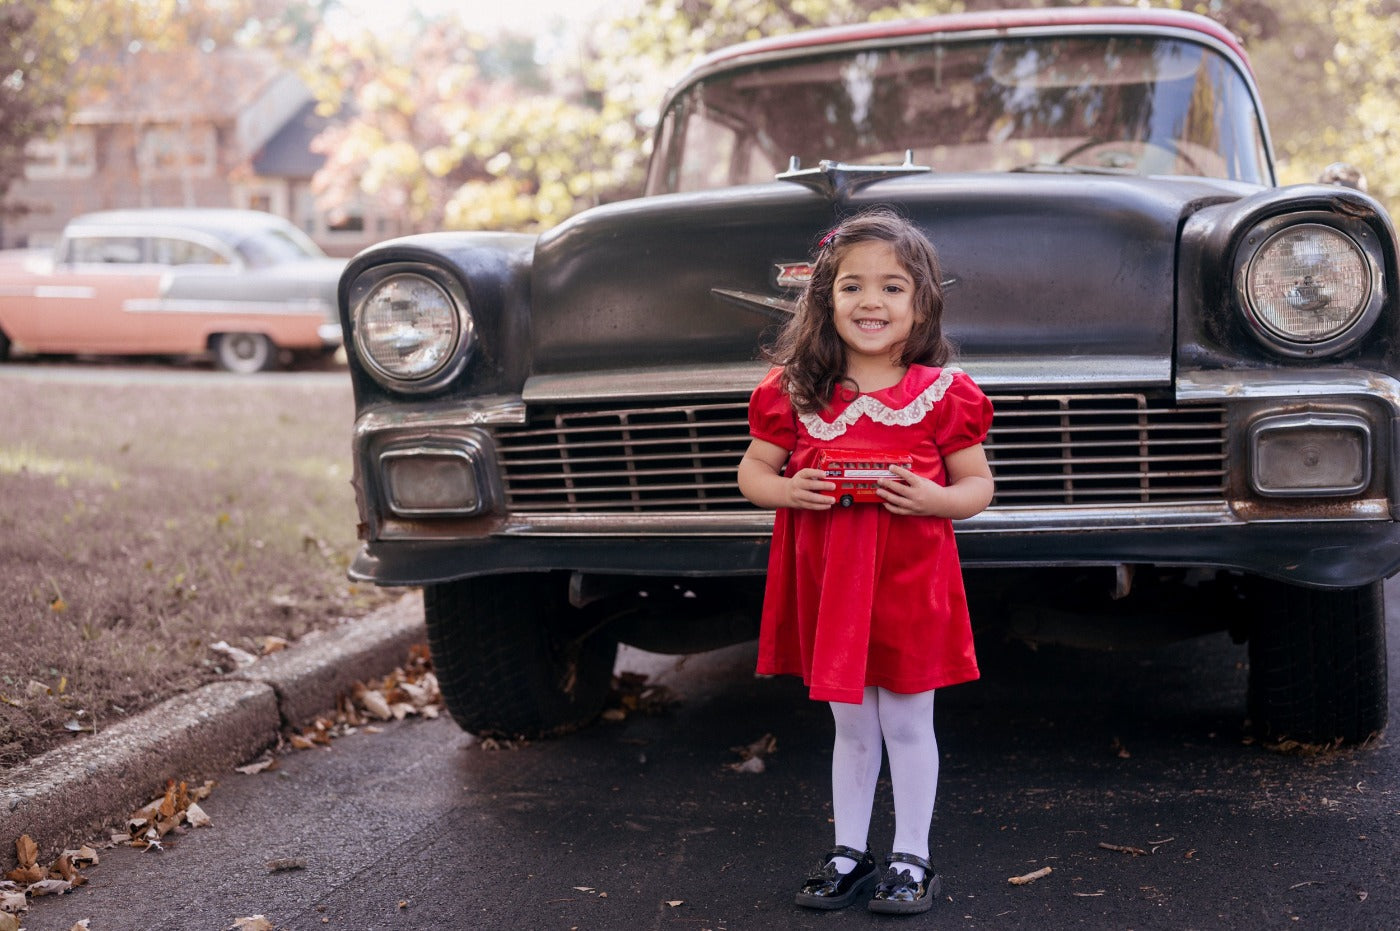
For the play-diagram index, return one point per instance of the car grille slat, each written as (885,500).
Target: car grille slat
(1045,450)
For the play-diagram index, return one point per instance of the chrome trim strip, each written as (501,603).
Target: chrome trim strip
(669,381)
(415,417)
(1082,373)
(67,292)
(758,522)
(228,307)
(1198,386)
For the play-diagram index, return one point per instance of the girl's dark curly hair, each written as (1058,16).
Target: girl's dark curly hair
(808,347)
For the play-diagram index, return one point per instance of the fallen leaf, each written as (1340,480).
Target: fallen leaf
(13,902)
(25,874)
(239,657)
(80,925)
(8,922)
(26,851)
(82,857)
(35,688)
(753,764)
(252,923)
(375,704)
(49,887)
(286,863)
(675,902)
(1030,877)
(195,816)
(274,644)
(253,769)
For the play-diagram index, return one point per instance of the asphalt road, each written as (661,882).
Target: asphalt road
(642,824)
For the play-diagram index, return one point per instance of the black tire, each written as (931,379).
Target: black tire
(847,501)
(1317,663)
(513,658)
(244,353)
(4,346)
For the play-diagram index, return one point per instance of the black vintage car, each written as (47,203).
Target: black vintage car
(1194,369)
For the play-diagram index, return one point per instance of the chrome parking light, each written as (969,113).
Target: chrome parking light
(1310,454)
(437,479)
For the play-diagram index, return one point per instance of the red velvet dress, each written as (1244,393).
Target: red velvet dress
(857,596)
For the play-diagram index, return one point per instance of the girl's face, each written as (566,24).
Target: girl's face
(874,301)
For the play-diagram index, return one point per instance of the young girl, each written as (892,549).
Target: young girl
(866,602)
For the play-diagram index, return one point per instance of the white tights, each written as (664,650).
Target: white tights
(904,724)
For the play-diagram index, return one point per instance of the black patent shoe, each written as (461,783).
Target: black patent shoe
(829,888)
(898,893)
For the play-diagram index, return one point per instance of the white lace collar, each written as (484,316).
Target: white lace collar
(869,406)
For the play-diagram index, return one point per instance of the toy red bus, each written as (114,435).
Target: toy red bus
(857,472)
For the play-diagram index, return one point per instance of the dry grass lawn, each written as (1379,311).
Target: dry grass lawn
(144,521)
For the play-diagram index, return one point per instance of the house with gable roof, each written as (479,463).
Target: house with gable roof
(229,127)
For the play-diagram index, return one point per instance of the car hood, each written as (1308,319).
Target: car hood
(1037,266)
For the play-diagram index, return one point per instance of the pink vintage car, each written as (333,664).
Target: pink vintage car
(245,287)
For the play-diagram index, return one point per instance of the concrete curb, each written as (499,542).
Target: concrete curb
(69,795)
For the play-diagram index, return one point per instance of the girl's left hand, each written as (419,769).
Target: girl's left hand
(914,495)
(968,491)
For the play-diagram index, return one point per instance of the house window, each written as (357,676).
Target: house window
(350,220)
(72,155)
(175,151)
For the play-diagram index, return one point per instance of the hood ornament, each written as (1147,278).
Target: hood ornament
(837,179)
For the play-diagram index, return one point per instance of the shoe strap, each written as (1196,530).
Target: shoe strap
(911,859)
(850,853)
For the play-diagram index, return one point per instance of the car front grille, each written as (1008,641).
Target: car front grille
(1045,450)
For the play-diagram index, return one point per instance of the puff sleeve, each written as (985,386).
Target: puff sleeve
(771,417)
(964,416)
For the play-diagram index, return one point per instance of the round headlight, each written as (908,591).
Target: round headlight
(1308,284)
(409,327)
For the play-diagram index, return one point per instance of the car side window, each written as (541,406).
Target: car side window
(170,251)
(108,250)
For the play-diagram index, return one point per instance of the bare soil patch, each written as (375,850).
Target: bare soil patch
(144,522)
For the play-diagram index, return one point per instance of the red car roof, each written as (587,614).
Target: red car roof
(990,20)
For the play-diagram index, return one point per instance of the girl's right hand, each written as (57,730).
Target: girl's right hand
(804,490)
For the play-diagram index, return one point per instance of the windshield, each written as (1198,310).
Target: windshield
(1135,104)
(275,246)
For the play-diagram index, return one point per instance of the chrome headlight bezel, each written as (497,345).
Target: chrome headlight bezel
(458,350)
(1254,250)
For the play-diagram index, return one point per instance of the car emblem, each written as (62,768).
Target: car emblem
(793,274)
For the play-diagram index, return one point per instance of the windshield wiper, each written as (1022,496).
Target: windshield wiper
(1054,169)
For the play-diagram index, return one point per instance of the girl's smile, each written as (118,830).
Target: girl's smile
(873,299)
